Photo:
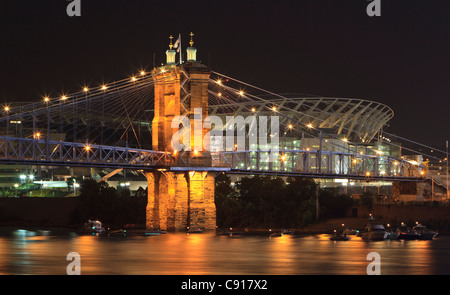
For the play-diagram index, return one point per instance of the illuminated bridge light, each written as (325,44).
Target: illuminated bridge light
(63,97)
(104,87)
(133,79)
(46,99)
(85,89)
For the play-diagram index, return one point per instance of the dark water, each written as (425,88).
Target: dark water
(45,252)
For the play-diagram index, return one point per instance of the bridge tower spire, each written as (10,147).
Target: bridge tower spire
(170,54)
(181,195)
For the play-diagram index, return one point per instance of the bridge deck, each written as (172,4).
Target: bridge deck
(306,163)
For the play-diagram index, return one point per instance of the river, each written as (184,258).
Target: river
(40,252)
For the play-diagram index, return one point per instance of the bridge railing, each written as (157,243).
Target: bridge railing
(312,162)
(25,150)
(319,162)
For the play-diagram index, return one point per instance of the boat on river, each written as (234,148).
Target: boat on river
(424,232)
(392,235)
(406,233)
(339,237)
(94,227)
(374,232)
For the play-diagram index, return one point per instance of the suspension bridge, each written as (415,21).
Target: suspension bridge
(126,124)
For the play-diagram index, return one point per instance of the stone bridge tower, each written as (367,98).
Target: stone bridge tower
(181,195)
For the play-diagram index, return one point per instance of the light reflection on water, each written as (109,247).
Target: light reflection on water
(42,252)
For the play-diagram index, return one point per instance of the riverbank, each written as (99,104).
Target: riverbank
(323,227)
(330,225)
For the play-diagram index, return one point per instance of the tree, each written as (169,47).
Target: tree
(264,201)
(98,200)
(333,204)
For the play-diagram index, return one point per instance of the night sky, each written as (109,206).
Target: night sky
(320,47)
